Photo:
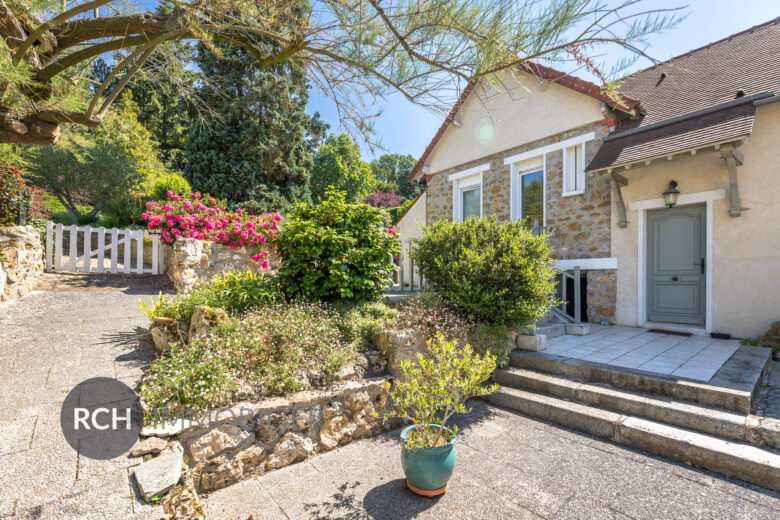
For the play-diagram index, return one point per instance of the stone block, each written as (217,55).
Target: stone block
(399,346)
(535,343)
(204,318)
(158,475)
(226,438)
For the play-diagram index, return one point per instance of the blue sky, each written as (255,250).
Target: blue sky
(406,128)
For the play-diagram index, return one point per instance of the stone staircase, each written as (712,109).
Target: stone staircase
(552,326)
(706,426)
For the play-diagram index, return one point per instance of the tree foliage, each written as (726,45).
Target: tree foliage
(257,147)
(92,167)
(393,168)
(338,165)
(162,90)
(354,51)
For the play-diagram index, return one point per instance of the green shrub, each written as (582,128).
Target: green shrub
(269,350)
(494,273)
(233,291)
(335,250)
(359,322)
(430,390)
(162,184)
(491,339)
(124,209)
(12,193)
(429,314)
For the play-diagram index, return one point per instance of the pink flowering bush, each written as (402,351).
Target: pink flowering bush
(193,216)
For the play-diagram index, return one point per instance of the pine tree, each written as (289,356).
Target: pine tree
(256,149)
(162,90)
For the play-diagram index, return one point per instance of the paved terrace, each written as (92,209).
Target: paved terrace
(509,467)
(694,357)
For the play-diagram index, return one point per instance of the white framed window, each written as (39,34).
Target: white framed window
(528,191)
(574,170)
(467,193)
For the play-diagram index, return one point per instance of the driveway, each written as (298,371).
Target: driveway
(73,328)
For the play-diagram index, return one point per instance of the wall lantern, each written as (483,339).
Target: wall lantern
(671,194)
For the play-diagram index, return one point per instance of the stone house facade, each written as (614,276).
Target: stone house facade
(577,220)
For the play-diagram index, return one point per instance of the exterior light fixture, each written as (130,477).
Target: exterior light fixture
(671,194)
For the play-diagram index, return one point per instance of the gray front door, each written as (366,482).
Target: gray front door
(675,264)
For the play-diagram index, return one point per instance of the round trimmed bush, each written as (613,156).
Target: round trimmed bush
(493,273)
(162,184)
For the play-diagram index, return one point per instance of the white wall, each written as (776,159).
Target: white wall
(519,110)
(409,227)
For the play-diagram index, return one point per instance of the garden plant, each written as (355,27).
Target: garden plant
(335,250)
(429,392)
(193,216)
(494,273)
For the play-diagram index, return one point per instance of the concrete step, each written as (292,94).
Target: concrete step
(577,329)
(745,462)
(635,380)
(550,330)
(711,421)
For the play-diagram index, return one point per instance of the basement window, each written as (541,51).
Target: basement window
(574,170)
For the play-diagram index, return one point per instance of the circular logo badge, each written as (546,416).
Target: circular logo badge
(101,418)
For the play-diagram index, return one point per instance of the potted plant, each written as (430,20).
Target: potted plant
(428,392)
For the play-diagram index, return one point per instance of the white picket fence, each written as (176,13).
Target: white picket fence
(105,257)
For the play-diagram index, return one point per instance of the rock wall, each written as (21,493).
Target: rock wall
(601,295)
(189,261)
(249,439)
(21,261)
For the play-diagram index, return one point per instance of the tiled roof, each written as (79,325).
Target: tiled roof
(715,127)
(540,71)
(743,65)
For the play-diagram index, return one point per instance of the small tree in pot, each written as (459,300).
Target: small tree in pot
(429,392)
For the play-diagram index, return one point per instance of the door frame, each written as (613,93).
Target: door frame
(641,207)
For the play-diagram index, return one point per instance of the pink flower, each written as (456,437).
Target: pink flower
(265,264)
(257,257)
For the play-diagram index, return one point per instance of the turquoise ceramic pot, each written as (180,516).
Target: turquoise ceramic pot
(427,469)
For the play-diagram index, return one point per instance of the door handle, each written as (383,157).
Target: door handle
(675,278)
(701,265)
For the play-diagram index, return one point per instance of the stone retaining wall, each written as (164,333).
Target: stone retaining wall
(249,439)
(189,261)
(21,262)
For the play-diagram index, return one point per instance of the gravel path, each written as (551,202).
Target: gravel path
(73,328)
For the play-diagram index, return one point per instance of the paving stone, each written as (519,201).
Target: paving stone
(16,435)
(509,466)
